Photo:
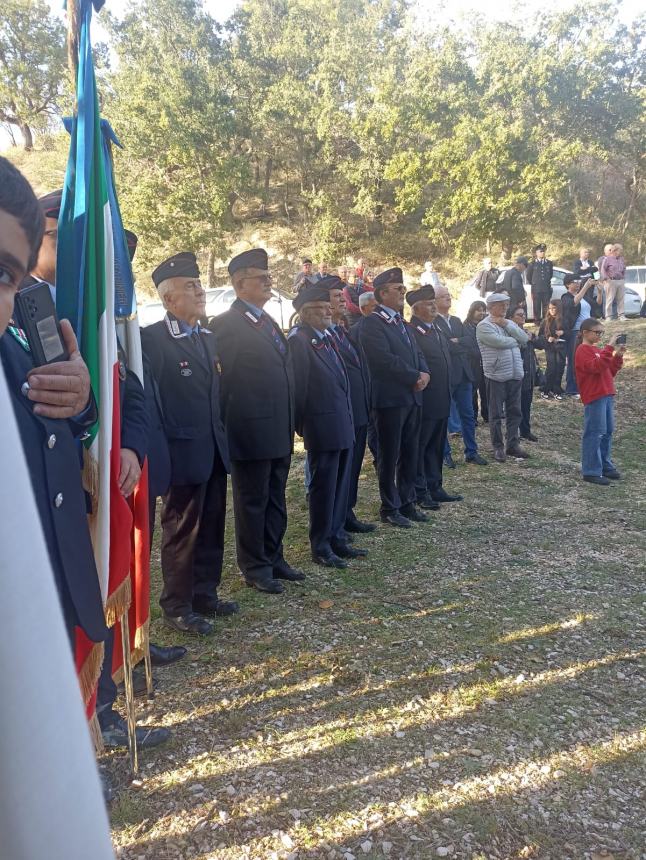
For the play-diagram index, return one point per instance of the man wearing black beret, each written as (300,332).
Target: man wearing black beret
(324,419)
(398,375)
(539,277)
(436,399)
(257,396)
(185,365)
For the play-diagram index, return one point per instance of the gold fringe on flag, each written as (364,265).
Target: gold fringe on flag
(118,602)
(89,672)
(90,478)
(95,735)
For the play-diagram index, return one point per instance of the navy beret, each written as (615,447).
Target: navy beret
(183,265)
(50,204)
(390,276)
(256,258)
(424,294)
(331,282)
(313,293)
(131,241)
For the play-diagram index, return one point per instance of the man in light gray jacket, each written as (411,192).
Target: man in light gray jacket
(499,340)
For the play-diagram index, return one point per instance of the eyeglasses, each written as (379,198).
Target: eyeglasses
(596,330)
(265,279)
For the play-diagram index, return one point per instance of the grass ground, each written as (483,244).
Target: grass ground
(473,689)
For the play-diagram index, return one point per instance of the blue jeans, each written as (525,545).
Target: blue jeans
(596,443)
(455,426)
(570,379)
(462,396)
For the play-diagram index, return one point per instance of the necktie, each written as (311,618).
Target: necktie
(267,321)
(199,346)
(343,340)
(402,328)
(332,350)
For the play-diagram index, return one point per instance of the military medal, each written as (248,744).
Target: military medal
(184,369)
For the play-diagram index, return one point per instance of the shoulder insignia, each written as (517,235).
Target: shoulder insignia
(421,328)
(252,318)
(174,327)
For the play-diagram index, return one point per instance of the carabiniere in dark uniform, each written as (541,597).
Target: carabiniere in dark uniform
(257,388)
(184,362)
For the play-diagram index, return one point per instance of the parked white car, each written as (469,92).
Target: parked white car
(470,294)
(280,309)
(636,280)
(152,312)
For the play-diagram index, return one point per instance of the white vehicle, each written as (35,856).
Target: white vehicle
(280,309)
(152,312)
(470,294)
(636,280)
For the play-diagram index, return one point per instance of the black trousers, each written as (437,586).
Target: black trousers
(431,456)
(106,694)
(526,397)
(504,404)
(358,453)
(373,441)
(398,431)
(193,541)
(260,511)
(480,388)
(328,497)
(540,300)
(554,373)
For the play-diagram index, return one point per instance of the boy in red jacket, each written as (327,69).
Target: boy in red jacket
(595,370)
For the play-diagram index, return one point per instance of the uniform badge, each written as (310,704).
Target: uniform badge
(184,369)
(420,328)
(218,366)
(174,327)
(122,371)
(252,318)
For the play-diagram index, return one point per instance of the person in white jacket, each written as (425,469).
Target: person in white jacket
(499,340)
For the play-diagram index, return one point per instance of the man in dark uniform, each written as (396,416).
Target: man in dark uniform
(514,285)
(398,375)
(367,304)
(359,394)
(257,387)
(52,405)
(436,399)
(186,367)
(324,419)
(539,277)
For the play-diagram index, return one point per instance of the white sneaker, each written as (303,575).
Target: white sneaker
(622,319)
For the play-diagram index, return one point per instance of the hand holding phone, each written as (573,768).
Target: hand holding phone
(61,389)
(620,340)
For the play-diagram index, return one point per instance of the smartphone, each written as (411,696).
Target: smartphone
(596,276)
(621,339)
(37,315)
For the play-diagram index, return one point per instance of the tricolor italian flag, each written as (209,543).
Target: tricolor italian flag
(85,296)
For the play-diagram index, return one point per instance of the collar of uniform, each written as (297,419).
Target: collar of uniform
(423,325)
(180,328)
(256,311)
(320,334)
(385,313)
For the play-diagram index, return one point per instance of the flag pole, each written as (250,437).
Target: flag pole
(129,693)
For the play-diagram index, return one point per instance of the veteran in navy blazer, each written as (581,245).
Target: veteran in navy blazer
(436,399)
(398,376)
(257,396)
(184,362)
(359,394)
(323,411)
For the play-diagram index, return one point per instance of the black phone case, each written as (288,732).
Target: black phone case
(37,315)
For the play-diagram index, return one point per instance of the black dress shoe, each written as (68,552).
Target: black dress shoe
(342,550)
(476,460)
(116,735)
(613,474)
(518,452)
(443,496)
(428,503)
(529,436)
(414,515)
(193,624)
(139,686)
(290,574)
(331,560)
(212,607)
(601,480)
(396,519)
(449,462)
(267,586)
(161,656)
(359,527)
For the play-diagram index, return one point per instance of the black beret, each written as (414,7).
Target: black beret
(50,204)
(424,294)
(540,247)
(256,258)
(331,282)
(390,276)
(131,241)
(183,265)
(313,293)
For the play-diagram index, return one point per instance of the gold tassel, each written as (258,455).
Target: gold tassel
(95,735)
(90,478)
(118,602)
(138,652)
(90,670)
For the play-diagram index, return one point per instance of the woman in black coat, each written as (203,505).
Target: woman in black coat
(477,312)
(530,367)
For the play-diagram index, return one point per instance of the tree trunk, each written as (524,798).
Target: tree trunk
(507,249)
(210,270)
(269,164)
(27,137)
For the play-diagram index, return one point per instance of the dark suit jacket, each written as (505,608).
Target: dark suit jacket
(539,276)
(462,353)
(394,364)
(323,405)
(583,271)
(358,377)
(53,461)
(256,386)
(436,397)
(512,284)
(159,465)
(189,388)
(135,422)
